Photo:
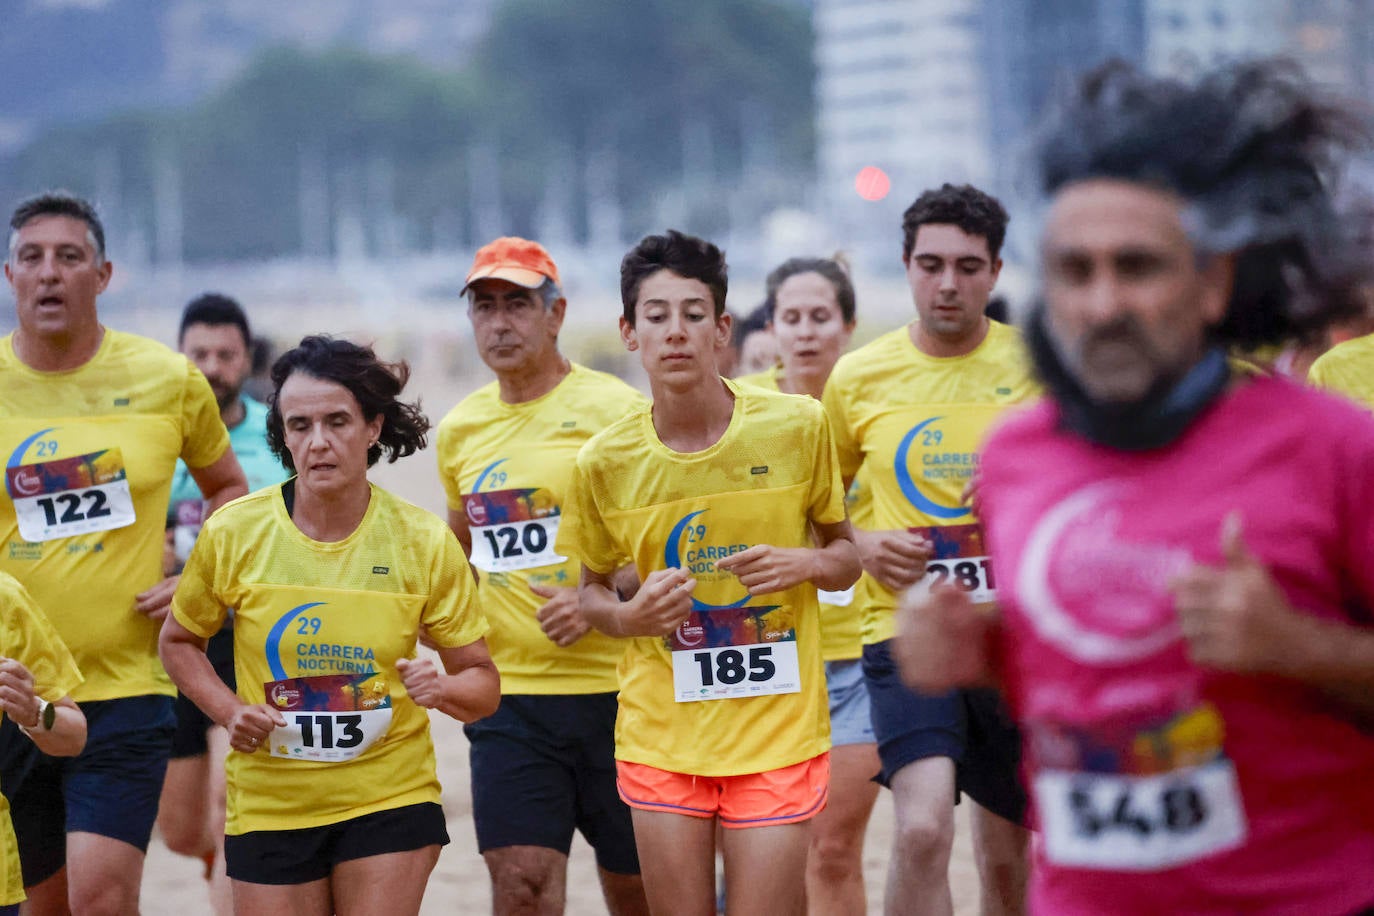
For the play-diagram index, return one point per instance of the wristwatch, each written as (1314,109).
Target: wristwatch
(47,717)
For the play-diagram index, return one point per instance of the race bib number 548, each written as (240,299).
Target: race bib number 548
(1140,823)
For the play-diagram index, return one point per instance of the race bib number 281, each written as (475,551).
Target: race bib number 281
(66,497)
(959,558)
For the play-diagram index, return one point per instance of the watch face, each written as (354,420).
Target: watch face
(49,715)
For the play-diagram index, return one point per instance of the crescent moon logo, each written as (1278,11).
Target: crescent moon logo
(482,477)
(26,482)
(17,456)
(672,557)
(908,485)
(273,647)
(691,634)
(1050,620)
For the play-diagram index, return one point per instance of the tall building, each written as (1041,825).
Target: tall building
(899,86)
(1035,49)
(1187,36)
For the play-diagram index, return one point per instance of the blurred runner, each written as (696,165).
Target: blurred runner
(214,335)
(910,413)
(92,422)
(758,348)
(333,797)
(717,492)
(37,675)
(1348,369)
(811,315)
(543,766)
(1185,627)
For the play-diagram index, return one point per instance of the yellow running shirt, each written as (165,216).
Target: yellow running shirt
(840,611)
(318,628)
(90,454)
(1347,368)
(507,467)
(27,637)
(769,379)
(740,688)
(914,424)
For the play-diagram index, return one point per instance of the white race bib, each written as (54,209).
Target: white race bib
(1140,823)
(836,599)
(71,496)
(959,557)
(972,574)
(519,545)
(331,718)
(722,653)
(187,516)
(512,529)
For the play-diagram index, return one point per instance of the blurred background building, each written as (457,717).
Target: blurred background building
(360,150)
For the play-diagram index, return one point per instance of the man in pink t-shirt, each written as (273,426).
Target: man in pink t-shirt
(1186,557)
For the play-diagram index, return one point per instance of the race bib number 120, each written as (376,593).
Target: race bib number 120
(71,496)
(512,529)
(723,653)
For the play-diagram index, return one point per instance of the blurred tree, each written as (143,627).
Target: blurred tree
(304,151)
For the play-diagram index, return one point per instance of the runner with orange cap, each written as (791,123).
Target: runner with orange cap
(543,766)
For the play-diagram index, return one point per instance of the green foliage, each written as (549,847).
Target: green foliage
(552,84)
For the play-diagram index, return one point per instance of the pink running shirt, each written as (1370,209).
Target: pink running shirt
(1161,787)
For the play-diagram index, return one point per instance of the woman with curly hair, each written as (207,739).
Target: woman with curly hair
(333,801)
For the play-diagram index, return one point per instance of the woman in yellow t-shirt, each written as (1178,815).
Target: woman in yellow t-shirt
(332,792)
(811,312)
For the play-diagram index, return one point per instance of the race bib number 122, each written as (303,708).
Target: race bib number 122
(71,496)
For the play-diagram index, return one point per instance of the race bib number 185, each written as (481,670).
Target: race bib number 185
(733,652)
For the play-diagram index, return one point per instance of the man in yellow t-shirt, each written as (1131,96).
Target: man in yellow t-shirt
(92,422)
(910,411)
(714,493)
(543,766)
(1348,369)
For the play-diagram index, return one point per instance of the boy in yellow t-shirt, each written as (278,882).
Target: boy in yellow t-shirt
(714,493)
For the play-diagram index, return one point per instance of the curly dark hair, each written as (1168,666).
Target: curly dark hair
(835,270)
(685,255)
(974,211)
(1252,149)
(376,386)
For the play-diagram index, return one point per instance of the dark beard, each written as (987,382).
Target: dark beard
(1154,421)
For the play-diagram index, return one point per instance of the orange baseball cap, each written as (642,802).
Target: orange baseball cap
(516,260)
